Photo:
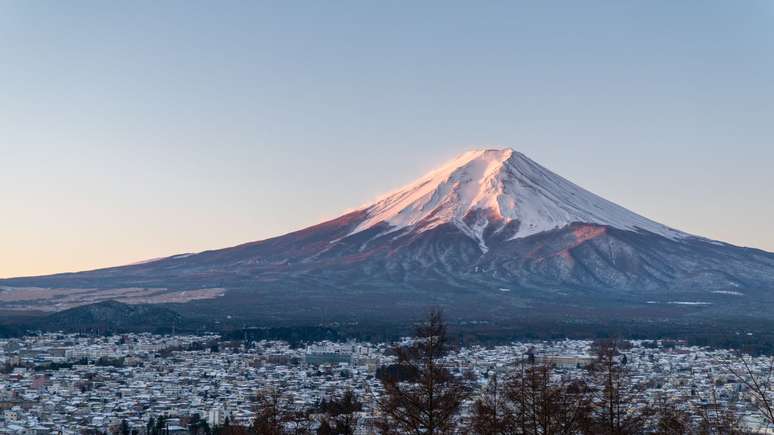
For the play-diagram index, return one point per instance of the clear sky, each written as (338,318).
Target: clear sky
(139,129)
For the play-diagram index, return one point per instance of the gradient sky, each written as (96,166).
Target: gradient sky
(142,129)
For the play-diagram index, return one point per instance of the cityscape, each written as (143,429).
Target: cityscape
(71,384)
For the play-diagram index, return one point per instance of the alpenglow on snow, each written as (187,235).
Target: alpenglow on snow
(507,186)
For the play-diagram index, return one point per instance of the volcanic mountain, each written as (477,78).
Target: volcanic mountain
(490,236)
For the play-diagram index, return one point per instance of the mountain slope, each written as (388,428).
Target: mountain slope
(511,188)
(490,235)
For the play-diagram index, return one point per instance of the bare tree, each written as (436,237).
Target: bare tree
(274,415)
(297,422)
(533,401)
(230,429)
(269,413)
(545,404)
(615,399)
(757,381)
(668,419)
(492,412)
(428,402)
(340,415)
(716,417)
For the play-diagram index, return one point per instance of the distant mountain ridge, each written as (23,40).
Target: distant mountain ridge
(490,236)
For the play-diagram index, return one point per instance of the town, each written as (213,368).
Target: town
(70,384)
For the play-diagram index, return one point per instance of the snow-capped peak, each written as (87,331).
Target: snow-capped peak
(507,186)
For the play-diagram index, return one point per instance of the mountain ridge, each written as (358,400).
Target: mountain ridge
(490,235)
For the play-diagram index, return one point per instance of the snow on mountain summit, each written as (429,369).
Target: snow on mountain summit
(507,186)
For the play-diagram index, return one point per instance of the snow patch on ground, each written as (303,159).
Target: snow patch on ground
(475,232)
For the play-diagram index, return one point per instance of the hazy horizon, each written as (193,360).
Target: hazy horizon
(143,130)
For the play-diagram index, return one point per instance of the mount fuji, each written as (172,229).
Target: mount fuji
(489,236)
